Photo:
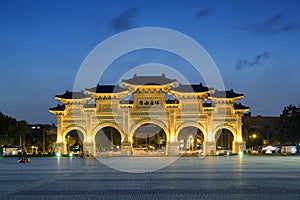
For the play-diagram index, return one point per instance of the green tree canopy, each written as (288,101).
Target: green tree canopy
(11,130)
(287,127)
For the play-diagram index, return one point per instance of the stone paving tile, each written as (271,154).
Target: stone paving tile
(232,177)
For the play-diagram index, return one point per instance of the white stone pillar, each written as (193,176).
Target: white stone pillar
(209,145)
(238,144)
(126,144)
(172,144)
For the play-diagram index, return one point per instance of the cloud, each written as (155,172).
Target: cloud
(274,24)
(124,21)
(202,13)
(243,64)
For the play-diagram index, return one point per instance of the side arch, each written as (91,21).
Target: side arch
(189,124)
(72,128)
(228,127)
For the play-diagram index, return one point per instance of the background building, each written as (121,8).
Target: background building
(258,130)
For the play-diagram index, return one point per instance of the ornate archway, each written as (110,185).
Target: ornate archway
(107,106)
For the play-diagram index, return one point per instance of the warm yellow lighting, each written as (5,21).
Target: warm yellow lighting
(240,139)
(149,103)
(59,139)
(209,137)
(89,139)
(172,138)
(254,136)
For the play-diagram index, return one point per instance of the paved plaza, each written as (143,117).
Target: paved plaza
(232,177)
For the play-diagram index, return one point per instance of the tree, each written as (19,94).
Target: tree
(287,127)
(11,130)
(39,135)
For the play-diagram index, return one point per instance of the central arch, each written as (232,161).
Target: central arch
(149,137)
(156,122)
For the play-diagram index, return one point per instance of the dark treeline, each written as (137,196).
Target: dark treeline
(11,130)
(287,126)
(39,136)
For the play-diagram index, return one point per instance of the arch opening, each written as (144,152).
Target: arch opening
(107,140)
(149,137)
(74,141)
(191,140)
(224,141)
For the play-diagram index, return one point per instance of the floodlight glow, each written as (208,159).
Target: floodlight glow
(240,139)
(172,139)
(59,139)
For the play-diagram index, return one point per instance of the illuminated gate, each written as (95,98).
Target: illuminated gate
(150,100)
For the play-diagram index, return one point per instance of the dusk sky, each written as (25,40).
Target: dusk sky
(255,45)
